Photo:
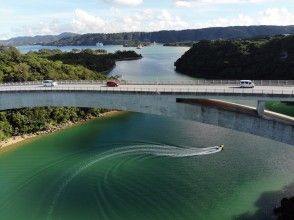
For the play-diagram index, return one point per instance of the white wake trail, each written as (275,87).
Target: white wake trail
(149,149)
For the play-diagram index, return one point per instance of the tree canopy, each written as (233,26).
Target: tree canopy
(258,58)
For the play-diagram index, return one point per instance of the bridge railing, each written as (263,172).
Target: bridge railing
(212,82)
(157,90)
(182,82)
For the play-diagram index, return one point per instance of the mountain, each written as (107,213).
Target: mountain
(174,36)
(270,58)
(165,37)
(39,39)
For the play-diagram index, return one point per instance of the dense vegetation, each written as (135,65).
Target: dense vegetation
(50,64)
(17,67)
(286,108)
(31,120)
(258,58)
(174,36)
(94,61)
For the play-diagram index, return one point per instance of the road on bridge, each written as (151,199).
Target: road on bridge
(287,90)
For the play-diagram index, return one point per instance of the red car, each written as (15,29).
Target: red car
(112,84)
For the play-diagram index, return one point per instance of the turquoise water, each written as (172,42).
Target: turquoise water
(136,166)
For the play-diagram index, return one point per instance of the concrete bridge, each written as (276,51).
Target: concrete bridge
(201,103)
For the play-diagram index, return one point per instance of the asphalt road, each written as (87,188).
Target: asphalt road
(157,88)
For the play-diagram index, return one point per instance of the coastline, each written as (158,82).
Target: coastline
(15,140)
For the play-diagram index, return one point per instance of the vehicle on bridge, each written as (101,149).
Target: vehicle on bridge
(49,83)
(112,83)
(246,84)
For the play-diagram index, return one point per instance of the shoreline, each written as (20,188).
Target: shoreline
(14,140)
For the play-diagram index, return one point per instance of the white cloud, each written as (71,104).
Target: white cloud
(186,4)
(5,12)
(84,22)
(125,2)
(118,20)
(271,16)
(194,3)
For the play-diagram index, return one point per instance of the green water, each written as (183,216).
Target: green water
(136,166)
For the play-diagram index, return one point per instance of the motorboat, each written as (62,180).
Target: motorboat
(221,147)
(99,44)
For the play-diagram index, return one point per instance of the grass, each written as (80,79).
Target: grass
(286,108)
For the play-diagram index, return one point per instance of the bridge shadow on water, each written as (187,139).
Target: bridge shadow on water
(266,204)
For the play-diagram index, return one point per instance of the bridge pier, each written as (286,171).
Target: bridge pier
(260,107)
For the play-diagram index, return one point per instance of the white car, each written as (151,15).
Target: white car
(246,84)
(49,83)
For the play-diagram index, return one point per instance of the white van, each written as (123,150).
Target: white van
(49,83)
(246,84)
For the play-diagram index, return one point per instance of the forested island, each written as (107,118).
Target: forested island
(145,38)
(269,58)
(173,36)
(55,65)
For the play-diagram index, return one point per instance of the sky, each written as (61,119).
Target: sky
(42,17)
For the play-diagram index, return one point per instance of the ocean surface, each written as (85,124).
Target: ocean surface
(139,166)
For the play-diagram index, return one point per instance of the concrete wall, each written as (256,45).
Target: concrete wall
(153,103)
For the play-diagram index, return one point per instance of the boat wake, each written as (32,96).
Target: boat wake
(154,150)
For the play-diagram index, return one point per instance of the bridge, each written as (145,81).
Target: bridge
(207,102)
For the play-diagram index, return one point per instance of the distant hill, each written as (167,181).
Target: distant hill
(258,58)
(40,39)
(165,37)
(175,36)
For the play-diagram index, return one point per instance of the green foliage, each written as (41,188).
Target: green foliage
(93,59)
(286,108)
(30,120)
(260,58)
(16,67)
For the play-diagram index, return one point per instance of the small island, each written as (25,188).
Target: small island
(95,60)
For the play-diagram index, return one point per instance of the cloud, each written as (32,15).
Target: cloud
(84,22)
(186,4)
(194,3)
(125,2)
(6,12)
(270,16)
(120,21)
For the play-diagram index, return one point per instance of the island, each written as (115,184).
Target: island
(171,36)
(270,58)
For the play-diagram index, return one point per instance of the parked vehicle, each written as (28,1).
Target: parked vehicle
(49,83)
(246,84)
(112,84)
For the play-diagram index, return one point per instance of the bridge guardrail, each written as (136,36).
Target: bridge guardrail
(186,82)
(156,90)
